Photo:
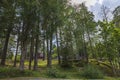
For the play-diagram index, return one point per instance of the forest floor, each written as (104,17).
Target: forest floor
(41,74)
(33,78)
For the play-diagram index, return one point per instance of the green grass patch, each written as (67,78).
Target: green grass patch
(56,71)
(112,78)
(42,63)
(6,72)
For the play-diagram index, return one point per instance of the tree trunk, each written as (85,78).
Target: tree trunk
(31,52)
(58,51)
(22,57)
(92,51)
(26,53)
(48,63)
(49,57)
(4,54)
(16,52)
(50,54)
(113,68)
(43,47)
(84,45)
(36,54)
(47,50)
(119,59)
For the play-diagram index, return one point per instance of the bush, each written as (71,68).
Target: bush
(66,64)
(79,63)
(13,72)
(18,58)
(8,72)
(91,72)
(53,72)
(10,56)
(54,56)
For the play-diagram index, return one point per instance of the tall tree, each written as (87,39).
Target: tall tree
(8,17)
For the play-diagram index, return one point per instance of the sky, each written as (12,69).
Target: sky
(95,5)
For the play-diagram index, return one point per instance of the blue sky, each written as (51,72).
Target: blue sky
(95,5)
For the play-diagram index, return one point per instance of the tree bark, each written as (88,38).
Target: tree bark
(31,52)
(4,54)
(92,51)
(22,57)
(43,47)
(84,45)
(36,54)
(14,65)
(49,51)
(50,54)
(58,51)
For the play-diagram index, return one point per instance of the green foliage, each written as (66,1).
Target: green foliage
(10,56)
(54,73)
(54,55)
(66,63)
(79,63)
(92,72)
(18,58)
(13,72)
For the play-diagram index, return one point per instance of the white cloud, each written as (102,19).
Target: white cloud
(100,1)
(87,2)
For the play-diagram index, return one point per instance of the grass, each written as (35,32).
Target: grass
(6,72)
(70,73)
(42,71)
(111,78)
(42,63)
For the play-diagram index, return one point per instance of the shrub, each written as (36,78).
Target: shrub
(66,64)
(10,56)
(8,72)
(92,72)
(18,58)
(79,63)
(53,72)
(13,72)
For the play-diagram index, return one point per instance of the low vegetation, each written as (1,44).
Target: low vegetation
(6,72)
(90,71)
